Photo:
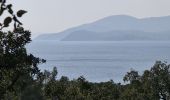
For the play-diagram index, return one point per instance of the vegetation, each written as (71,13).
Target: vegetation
(16,66)
(20,78)
(153,84)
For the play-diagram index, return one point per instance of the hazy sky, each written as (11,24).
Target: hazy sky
(51,16)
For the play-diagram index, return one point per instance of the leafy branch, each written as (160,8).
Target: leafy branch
(14,16)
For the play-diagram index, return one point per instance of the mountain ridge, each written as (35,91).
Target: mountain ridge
(116,23)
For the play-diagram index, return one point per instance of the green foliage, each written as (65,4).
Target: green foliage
(21,12)
(15,62)
(153,84)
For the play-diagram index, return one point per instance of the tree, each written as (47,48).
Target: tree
(15,62)
(153,84)
(160,80)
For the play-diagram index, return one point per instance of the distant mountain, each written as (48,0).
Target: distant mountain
(115,28)
(116,36)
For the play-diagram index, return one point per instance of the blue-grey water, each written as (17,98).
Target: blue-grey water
(100,61)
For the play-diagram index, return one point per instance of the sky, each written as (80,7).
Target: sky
(52,16)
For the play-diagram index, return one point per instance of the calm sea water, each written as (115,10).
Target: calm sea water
(100,61)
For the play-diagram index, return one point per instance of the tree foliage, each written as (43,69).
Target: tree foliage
(15,62)
(153,84)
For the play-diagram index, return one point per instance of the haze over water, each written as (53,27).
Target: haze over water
(100,61)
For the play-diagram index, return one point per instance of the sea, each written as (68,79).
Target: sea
(99,61)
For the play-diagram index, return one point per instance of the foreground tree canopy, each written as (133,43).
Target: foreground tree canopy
(15,63)
(20,78)
(153,84)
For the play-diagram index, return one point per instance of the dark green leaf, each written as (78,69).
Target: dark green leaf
(7,21)
(9,6)
(21,12)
